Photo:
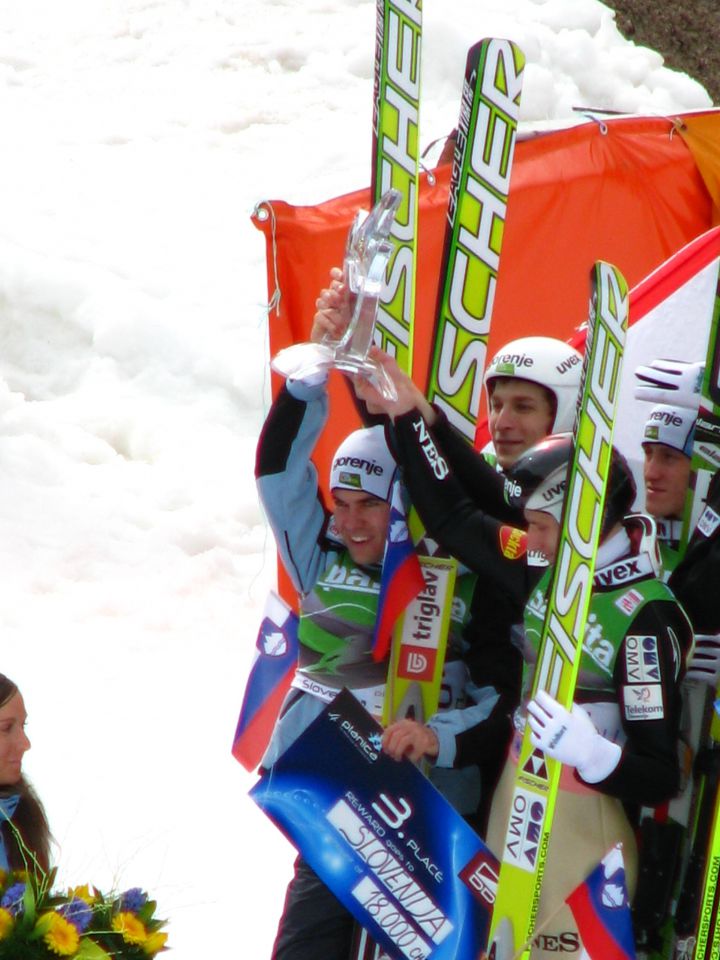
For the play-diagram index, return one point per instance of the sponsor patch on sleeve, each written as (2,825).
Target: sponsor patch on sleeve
(642,661)
(513,542)
(708,522)
(643,701)
(629,602)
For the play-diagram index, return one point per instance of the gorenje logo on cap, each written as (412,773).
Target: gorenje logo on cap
(370,467)
(350,479)
(509,363)
(665,416)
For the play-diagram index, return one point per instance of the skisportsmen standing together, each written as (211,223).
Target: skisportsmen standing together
(532,387)
(620,740)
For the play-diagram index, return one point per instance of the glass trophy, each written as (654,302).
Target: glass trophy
(367,253)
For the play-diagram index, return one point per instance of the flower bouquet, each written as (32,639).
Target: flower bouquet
(39,923)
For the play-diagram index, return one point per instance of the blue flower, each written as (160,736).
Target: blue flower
(77,912)
(133,900)
(13,898)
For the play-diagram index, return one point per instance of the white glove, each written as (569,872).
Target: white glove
(310,377)
(704,663)
(571,738)
(676,382)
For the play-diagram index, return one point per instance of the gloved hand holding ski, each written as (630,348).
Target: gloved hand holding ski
(366,256)
(571,738)
(670,381)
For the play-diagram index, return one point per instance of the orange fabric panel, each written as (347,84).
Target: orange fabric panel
(700,133)
(628,191)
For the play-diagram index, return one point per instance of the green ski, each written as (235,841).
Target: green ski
(697,930)
(475,222)
(395,164)
(536,785)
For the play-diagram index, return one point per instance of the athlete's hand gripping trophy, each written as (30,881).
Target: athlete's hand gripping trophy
(366,256)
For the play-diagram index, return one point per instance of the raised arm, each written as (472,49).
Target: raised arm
(287,479)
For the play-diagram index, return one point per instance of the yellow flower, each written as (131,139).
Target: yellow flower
(60,935)
(6,923)
(132,929)
(155,943)
(82,893)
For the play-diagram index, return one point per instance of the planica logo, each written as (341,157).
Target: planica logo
(363,745)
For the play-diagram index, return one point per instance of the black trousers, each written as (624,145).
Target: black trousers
(314,924)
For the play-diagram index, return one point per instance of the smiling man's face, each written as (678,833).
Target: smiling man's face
(362,522)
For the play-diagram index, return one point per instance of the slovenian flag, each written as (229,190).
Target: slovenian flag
(402,579)
(276,654)
(602,911)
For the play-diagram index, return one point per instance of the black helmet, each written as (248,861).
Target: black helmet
(538,478)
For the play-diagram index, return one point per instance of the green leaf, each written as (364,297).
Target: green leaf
(89,950)
(29,903)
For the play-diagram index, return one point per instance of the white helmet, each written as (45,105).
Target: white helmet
(551,363)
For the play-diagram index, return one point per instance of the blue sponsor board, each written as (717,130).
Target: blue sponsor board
(382,838)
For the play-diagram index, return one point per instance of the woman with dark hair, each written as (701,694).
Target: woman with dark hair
(24,831)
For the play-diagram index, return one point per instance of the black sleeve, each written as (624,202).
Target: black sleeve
(481,483)
(646,676)
(696,579)
(475,535)
(278,433)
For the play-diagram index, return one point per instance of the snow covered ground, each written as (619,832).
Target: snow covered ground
(136,138)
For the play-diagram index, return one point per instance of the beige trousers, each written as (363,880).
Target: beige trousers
(586,825)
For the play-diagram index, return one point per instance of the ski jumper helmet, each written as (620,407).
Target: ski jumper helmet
(364,462)
(552,364)
(537,481)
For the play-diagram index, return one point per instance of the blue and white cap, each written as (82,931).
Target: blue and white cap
(364,462)
(671,425)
